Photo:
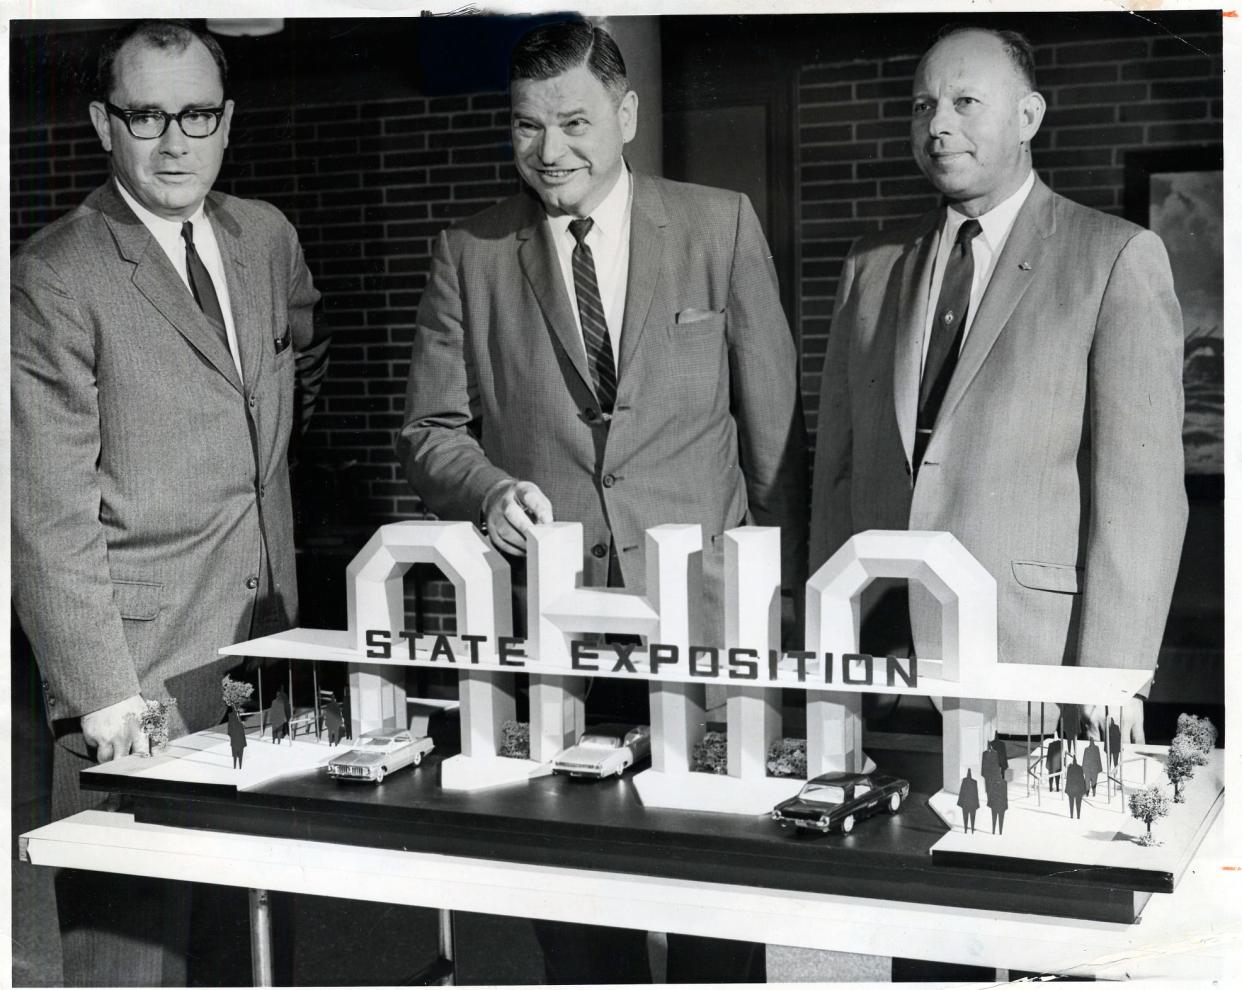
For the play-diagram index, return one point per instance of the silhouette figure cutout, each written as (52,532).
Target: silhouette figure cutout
(1114,743)
(333,720)
(1092,765)
(1075,788)
(278,715)
(997,795)
(237,738)
(1054,763)
(968,801)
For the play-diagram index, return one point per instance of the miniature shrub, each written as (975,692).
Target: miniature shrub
(515,739)
(787,758)
(712,754)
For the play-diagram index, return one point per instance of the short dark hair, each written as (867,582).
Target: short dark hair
(177,35)
(553,49)
(1019,50)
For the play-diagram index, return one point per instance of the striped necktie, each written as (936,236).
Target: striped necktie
(201,285)
(948,330)
(591,315)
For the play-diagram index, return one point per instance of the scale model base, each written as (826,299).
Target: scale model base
(1039,833)
(479,773)
(206,758)
(713,792)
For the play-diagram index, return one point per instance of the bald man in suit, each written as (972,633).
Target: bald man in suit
(1008,369)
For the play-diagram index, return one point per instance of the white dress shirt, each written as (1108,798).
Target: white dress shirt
(986,247)
(167,234)
(609,241)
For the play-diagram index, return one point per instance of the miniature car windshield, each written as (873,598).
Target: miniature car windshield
(593,739)
(375,741)
(827,793)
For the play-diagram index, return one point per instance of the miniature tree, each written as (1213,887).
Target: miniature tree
(712,754)
(787,758)
(154,722)
(1180,763)
(235,693)
(515,739)
(1148,805)
(1200,731)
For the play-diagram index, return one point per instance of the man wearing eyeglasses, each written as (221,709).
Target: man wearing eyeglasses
(164,344)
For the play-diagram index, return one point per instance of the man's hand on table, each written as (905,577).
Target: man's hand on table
(113,732)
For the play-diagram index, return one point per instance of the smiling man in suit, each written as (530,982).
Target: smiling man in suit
(608,348)
(163,345)
(1009,369)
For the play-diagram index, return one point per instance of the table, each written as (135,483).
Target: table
(1194,933)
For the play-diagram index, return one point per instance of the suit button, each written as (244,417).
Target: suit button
(252,583)
(253,401)
(599,551)
(591,415)
(609,480)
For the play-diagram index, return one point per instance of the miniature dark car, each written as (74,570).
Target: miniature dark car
(836,801)
(376,756)
(604,750)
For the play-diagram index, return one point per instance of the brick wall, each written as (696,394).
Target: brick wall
(1105,98)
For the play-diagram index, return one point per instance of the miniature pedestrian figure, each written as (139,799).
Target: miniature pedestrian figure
(1071,720)
(278,715)
(968,800)
(1092,765)
(1002,754)
(998,797)
(332,719)
(1055,761)
(1075,788)
(1114,742)
(990,763)
(237,738)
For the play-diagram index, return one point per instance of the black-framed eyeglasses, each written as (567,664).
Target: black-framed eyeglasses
(195,122)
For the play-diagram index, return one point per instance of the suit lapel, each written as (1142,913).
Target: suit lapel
(915,284)
(1010,279)
(155,277)
(537,255)
(243,295)
(647,222)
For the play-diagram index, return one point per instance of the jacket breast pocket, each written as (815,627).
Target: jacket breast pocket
(140,600)
(1065,579)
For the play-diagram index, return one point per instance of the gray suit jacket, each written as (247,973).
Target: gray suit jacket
(145,475)
(708,423)
(1057,457)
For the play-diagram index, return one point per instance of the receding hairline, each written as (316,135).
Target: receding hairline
(175,37)
(1012,45)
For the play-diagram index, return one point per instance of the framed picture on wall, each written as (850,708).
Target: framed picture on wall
(1179,194)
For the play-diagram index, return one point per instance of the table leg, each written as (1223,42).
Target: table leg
(446,947)
(261,938)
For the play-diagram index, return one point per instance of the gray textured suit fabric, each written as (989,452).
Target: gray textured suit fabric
(1057,457)
(146,481)
(708,424)
(145,476)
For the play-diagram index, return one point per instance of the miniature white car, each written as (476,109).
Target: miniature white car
(604,750)
(376,756)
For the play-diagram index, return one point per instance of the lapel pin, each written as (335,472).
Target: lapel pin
(1024,265)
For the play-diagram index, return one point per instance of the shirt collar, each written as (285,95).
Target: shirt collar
(609,216)
(162,229)
(997,222)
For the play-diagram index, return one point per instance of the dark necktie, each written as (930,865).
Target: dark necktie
(201,285)
(948,329)
(591,315)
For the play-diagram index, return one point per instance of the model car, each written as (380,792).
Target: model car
(376,756)
(604,750)
(836,801)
